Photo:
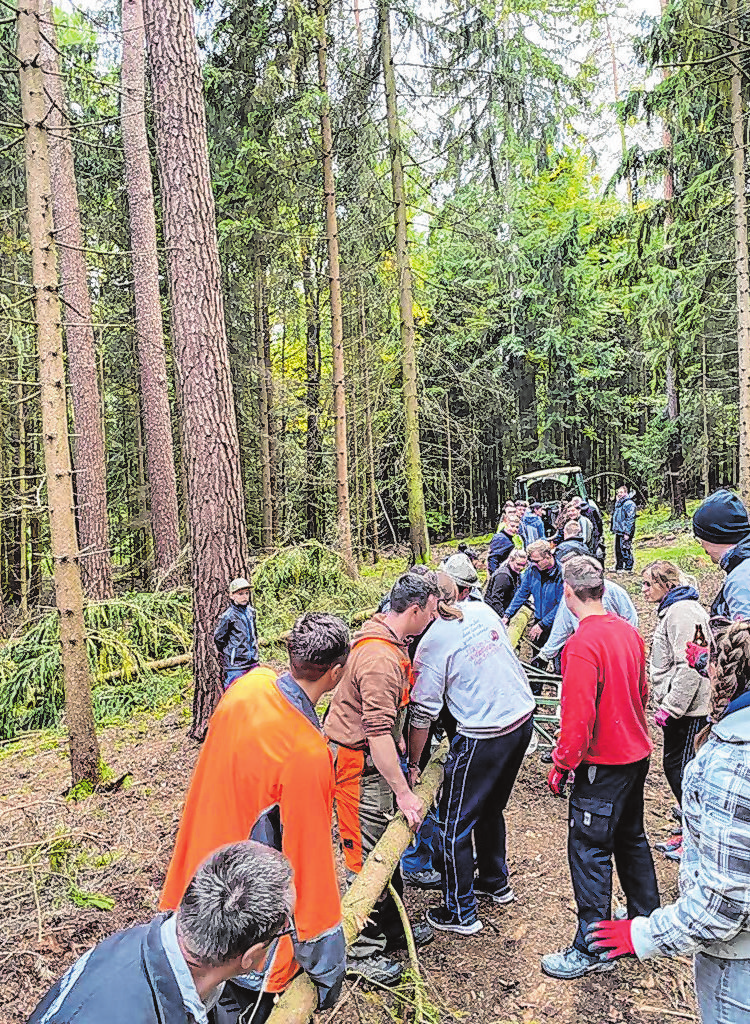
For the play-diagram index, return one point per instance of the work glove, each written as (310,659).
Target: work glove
(661,718)
(694,652)
(556,781)
(613,936)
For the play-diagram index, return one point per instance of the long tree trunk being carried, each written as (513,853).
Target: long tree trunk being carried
(88,446)
(420,543)
(337,324)
(162,484)
(84,749)
(742,264)
(215,499)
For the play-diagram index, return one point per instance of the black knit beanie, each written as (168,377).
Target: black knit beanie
(721,519)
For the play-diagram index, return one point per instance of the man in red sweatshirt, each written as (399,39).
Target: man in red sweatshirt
(604,740)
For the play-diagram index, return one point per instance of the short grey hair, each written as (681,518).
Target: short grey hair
(316,642)
(410,589)
(572,529)
(241,895)
(539,547)
(585,577)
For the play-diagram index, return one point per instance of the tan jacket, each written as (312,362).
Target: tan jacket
(374,687)
(679,689)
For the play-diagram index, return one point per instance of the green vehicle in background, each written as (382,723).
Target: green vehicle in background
(552,488)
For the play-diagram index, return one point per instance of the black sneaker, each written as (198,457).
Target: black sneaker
(423,934)
(427,878)
(442,919)
(379,970)
(504,895)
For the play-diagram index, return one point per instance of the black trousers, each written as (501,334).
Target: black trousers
(537,662)
(606,821)
(238,1005)
(679,749)
(623,553)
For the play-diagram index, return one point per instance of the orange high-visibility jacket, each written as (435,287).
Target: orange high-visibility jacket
(265,773)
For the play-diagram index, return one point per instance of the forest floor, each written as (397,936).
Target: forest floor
(74,872)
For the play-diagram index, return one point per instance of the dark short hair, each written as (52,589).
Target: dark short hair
(241,895)
(585,576)
(317,641)
(411,589)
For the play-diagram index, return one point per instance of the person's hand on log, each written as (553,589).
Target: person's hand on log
(411,808)
(413,774)
(401,745)
(534,633)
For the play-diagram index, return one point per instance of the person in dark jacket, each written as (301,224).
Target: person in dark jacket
(505,581)
(502,544)
(623,527)
(593,515)
(722,528)
(173,970)
(235,635)
(572,542)
(544,583)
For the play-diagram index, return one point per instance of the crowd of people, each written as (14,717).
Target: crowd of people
(251,895)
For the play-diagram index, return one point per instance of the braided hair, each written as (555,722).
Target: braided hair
(731,677)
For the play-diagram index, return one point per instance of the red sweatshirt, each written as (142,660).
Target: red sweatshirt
(604,695)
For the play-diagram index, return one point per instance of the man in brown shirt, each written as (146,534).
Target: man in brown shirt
(364,727)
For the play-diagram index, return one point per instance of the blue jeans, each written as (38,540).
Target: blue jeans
(230,674)
(479,777)
(723,989)
(419,856)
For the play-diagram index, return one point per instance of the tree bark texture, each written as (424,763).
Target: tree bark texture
(300,1000)
(337,324)
(312,400)
(149,329)
(368,432)
(88,445)
(264,410)
(84,749)
(742,266)
(420,543)
(215,499)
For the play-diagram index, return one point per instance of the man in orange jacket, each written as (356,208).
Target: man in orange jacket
(266,773)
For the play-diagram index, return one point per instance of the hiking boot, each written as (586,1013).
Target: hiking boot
(442,919)
(422,932)
(427,878)
(504,895)
(669,844)
(572,963)
(546,757)
(675,854)
(379,970)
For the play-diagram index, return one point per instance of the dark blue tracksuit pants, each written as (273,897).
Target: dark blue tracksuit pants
(479,777)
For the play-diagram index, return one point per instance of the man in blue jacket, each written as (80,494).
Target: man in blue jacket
(173,970)
(235,635)
(623,527)
(502,543)
(544,583)
(722,528)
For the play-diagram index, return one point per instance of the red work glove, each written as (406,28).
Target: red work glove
(661,718)
(556,781)
(693,652)
(612,936)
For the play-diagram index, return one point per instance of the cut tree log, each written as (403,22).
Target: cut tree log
(300,1000)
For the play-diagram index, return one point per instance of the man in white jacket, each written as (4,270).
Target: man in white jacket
(470,665)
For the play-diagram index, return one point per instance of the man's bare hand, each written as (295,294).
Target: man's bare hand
(534,633)
(401,746)
(411,808)
(413,775)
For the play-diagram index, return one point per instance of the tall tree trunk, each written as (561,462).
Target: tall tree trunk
(337,325)
(449,446)
(706,440)
(84,749)
(365,362)
(420,544)
(742,268)
(88,447)
(312,400)
(215,498)
(152,363)
(264,410)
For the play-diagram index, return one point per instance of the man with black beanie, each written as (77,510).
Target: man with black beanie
(722,528)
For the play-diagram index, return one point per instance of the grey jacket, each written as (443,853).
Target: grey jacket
(679,689)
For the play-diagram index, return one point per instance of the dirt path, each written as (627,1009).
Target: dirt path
(117,845)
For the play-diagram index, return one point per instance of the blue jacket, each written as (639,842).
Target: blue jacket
(501,546)
(531,528)
(733,600)
(127,979)
(236,637)
(623,517)
(547,591)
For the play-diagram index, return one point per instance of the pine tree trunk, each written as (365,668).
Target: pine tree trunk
(337,325)
(162,483)
(84,749)
(264,412)
(742,267)
(450,467)
(312,401)
(215,498)
(365,362)
(420,544)
(88,445)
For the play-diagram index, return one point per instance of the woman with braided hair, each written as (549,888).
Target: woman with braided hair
(711,918)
